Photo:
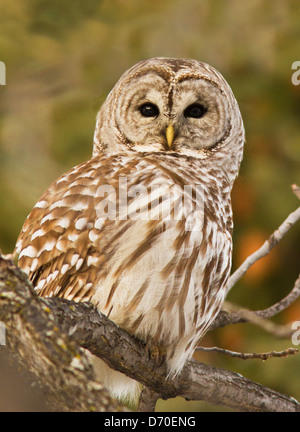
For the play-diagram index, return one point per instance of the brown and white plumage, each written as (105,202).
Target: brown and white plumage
(143,229)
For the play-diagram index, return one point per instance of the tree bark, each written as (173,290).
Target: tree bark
(47,334)
(57,362)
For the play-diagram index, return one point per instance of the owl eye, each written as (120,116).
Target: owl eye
(149,110)
(195,110)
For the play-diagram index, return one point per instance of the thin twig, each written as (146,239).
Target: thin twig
(283,303)
(280,331)
(268,245)
(247,356)
(236,315)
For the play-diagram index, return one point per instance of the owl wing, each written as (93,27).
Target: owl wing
(56,246)
(71,235)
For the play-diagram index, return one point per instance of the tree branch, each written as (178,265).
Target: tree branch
(197,381)
(147,400)
(57,362)
(259,317)
(120,351)
(40,331)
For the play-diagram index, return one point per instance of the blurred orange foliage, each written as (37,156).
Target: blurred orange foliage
(248,243)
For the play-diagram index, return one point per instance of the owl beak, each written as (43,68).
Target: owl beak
(170,135)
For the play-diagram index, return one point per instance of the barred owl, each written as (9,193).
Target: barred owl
(144,228)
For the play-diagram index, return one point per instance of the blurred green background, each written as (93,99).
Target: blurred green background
(62,58)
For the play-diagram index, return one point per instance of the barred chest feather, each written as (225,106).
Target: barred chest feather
(150,248)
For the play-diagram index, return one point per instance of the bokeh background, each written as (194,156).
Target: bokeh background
(62,59)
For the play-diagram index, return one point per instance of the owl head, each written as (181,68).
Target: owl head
(171,105)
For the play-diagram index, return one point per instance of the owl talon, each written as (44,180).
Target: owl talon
(154,354)
(158,354)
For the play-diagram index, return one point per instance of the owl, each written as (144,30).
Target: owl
(143,229)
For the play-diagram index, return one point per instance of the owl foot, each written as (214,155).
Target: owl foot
(157,353)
